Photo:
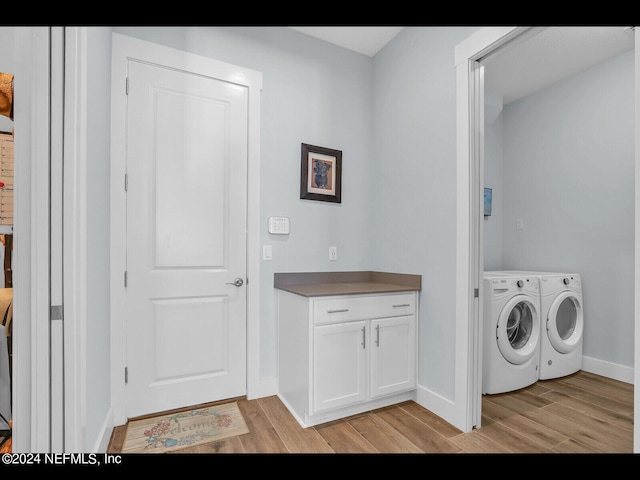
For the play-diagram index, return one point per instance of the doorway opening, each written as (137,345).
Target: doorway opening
(471,162)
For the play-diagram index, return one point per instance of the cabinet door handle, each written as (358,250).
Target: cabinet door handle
(363,338)
(377,335)
(338,311)
(402,305)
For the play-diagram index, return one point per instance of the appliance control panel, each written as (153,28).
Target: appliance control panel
(279,225)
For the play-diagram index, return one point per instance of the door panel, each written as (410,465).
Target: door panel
(186,239)
(393,355)
(189,188)
(204,353)
(339,366)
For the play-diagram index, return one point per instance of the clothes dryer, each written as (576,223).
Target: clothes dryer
(511,332)
(561,307)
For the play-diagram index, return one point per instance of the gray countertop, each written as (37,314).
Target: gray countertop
(315,284)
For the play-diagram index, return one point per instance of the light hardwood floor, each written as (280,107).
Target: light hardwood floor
(580,413)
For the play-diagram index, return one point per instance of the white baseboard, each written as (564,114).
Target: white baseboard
(437,404)
(266,387)
(104,436)
(609,370)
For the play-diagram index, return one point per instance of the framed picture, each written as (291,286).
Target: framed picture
(321,174)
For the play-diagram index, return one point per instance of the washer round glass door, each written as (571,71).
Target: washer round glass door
(518,330)
(565,322)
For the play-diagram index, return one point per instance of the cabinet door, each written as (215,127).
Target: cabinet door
(339,365)
(393,355)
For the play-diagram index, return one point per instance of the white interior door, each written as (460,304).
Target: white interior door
(186,163)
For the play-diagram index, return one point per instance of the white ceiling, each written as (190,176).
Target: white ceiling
(537,60)
(550,54)
(365,40)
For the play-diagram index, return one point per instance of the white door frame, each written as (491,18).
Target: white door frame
(74,234)
(30,413)
(40,395)
(124,47)
(469,166)
(468,254)
(56,323)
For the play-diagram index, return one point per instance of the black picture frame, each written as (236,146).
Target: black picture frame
(320,173)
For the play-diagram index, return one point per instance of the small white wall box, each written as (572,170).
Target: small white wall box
(279,225)
(488,200)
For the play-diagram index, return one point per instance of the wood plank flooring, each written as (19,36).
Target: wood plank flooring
(580,413)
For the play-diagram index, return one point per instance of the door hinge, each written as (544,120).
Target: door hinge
(55,311)
(476,293)
(127,86)
(126,375)
(125,279)
(126,182)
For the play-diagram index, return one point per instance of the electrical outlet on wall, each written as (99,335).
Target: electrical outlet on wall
(333,253)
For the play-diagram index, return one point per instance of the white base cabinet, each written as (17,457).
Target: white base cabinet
(345,354)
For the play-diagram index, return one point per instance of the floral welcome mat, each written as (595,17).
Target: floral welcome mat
(184,429)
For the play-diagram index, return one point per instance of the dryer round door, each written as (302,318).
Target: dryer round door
(518,330)
(565,322)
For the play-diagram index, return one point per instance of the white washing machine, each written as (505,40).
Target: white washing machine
(511,332)
(562,316)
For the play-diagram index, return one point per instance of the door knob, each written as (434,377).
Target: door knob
(238,282)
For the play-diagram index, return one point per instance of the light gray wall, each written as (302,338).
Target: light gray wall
(413,202)
(568,173)
(493,178)
(98,271)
